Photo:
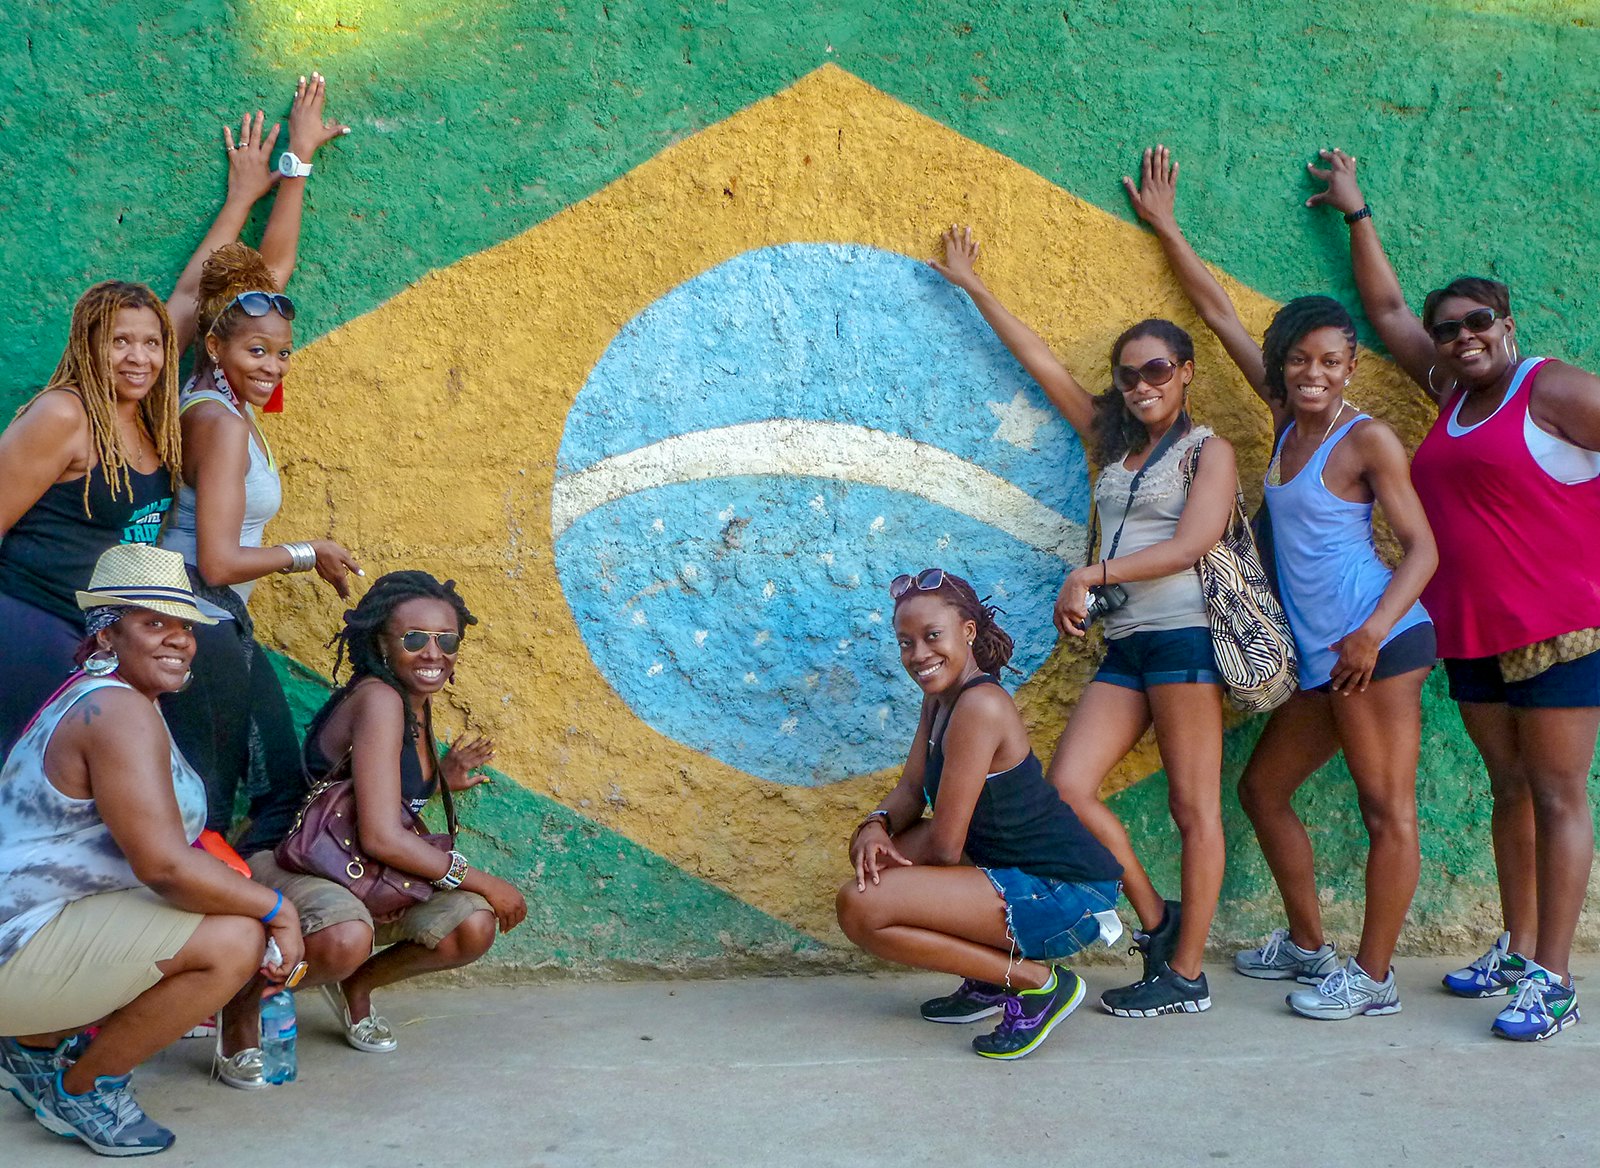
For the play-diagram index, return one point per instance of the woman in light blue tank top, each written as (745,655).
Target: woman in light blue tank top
(1366,645)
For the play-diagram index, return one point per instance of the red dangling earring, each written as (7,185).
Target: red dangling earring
(275,402)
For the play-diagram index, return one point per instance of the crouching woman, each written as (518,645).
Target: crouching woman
(1039,887)
(108,916)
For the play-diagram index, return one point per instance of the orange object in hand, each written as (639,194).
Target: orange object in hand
(212,843)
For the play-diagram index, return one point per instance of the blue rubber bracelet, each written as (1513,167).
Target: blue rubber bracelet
(267,920)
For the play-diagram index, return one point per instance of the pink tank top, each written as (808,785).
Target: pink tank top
(1519,552)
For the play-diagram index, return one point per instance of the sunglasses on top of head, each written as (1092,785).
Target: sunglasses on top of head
(1445,331)
(1157,372)
(415,640)
(259,304)
(927,580)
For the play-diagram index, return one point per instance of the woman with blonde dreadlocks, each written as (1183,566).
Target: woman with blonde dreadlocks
(89,462)
(233,722)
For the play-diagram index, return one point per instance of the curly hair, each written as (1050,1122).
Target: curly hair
(1300,316)
(1116,430)
(230,270)
(992,646)
(85,367)
(357,643)
(1479,289)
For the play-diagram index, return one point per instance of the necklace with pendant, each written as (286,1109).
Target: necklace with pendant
(1275,471)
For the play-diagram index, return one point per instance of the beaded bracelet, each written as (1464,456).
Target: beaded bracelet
(456,873)
(1354,217)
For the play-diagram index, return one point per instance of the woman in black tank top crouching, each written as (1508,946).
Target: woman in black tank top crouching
(1001,881)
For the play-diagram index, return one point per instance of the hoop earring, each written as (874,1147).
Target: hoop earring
(1513,353)
(101,663)
(188,680)
(451,680)
(1434,389)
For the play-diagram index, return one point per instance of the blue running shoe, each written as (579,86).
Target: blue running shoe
(1031,1015)
(26,1071)
(1497,972)
(1543,1007)
(106,1118)
(972,1000)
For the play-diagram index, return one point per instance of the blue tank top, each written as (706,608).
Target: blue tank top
(1330,578)
(1020,821)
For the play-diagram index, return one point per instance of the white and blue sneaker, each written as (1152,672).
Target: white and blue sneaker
(1279,959)
(1543,1007)
(26,1071)
(1345,993)
(1497,972)
(106,1118)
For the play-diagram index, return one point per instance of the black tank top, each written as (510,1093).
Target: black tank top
(414,789)
(50,552)
(1020,821)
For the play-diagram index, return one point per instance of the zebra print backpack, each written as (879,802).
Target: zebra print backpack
(1249,633)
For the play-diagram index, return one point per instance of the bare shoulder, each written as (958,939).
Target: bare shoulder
(371,700)
(985,704)
(1377,439)
(1562,384)
(56,415)
(111,716)
(1215,450)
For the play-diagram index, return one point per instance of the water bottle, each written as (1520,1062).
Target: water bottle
(277,1038)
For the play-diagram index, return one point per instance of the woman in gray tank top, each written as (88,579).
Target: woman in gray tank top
(1159,668)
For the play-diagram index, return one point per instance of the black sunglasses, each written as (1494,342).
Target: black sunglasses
(1157,372)
(927,580)
(415,640)
(261,303)
(1445,331)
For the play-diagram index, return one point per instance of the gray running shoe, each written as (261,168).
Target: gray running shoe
(106,1118)
(1345,993)
(1280,959)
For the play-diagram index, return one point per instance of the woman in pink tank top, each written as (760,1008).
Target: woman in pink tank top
(1509,478)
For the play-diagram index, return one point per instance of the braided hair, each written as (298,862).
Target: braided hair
(1116,430)
(1479,289)
(1302,315)
(357,643)
(992,646)
(232,269)
(85,367)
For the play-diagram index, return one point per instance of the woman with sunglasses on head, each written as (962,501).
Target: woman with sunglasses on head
(1043,887)
(93,459)
(1159,667)
(1509,476)
(109,919)
(1365,643)
(401,641)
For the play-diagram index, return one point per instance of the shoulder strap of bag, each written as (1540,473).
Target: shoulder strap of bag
(341,770)
(445,794)
(1180,426)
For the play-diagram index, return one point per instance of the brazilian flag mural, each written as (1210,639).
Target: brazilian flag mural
(619,315)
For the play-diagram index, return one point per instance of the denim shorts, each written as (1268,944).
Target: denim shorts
(1416,648)
(1052,918)
(1569,685)
(1166,657)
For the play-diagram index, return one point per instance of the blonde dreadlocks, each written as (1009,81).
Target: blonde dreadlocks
(86,368)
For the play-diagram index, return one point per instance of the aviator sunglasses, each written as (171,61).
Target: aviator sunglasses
(1157,372)
(927,580)
(415,640)
(1445,331)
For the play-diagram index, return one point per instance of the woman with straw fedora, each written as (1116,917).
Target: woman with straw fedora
(108,917)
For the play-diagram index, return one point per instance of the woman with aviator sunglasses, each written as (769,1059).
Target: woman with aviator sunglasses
(1038,887)
(1509,476)
(401,641)
(1366,645)
(1159,668)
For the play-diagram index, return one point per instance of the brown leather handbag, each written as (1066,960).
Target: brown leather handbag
(324,842)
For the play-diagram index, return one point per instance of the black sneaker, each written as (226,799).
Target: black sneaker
(1168,992)
(1031,1015)
(1157,945)
(971,1001)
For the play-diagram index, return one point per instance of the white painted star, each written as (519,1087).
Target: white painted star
(1020,421)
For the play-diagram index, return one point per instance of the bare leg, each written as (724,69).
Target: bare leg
(949,919)
(1106,723)
(222,953)
(1188,719)
(470,941)
(1557,751)
(1495,733)
(1381,731)
(1299,738)
(332,954)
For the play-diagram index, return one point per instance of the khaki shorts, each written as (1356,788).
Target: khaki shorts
(96,956)
(322,903)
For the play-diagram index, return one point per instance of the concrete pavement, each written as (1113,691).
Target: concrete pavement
(840,1071)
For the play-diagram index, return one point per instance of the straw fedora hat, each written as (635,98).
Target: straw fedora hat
(137,575)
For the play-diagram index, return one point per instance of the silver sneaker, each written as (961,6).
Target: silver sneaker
(371,1034)
(1345,993)
(243,1070)
(1279,959)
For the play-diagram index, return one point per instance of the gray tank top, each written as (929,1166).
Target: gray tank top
(1170,602)
(55,849)
(263,495)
